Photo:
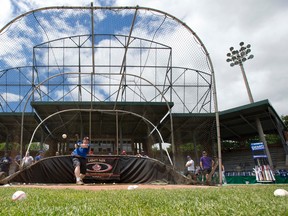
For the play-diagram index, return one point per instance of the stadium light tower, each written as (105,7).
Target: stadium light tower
(238,57)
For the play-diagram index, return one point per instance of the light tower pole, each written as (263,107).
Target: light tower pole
(238,57)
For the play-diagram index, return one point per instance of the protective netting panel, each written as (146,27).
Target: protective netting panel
(138,54)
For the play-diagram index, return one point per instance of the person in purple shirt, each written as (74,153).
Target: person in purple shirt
(206,164)
(79,159)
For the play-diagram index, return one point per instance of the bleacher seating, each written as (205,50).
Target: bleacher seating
(242,160)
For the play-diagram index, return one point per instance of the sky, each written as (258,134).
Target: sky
(219,24)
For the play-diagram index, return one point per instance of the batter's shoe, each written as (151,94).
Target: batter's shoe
(80,182)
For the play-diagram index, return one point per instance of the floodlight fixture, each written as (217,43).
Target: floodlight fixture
(237,57)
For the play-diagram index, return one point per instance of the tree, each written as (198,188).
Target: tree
(285,120)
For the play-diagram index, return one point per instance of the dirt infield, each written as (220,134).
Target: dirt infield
(95,187)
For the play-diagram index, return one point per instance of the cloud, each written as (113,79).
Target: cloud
(5,12)
(11,97)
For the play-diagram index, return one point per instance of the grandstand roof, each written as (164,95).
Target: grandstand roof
(240,122)
(235,124)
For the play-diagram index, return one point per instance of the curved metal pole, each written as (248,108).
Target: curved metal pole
(96,110)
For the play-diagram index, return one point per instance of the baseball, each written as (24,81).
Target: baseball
(280,192)
(19,195)
(64,136)
(132,187)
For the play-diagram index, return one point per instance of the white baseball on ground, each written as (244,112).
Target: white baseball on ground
(19,195)
(64,136)
(280,192)
(132,187)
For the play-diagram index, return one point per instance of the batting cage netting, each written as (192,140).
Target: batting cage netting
(138,77)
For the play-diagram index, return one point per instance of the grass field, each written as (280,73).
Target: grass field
(227,200)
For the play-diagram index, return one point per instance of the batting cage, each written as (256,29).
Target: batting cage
(133,79)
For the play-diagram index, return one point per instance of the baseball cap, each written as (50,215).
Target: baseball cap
(204,152)
(188,156)
(86,138)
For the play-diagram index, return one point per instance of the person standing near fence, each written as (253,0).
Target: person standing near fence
(190,166)
(27,160)
(206,164)
(39,156)
(5,162)
(223,175)
(17,161)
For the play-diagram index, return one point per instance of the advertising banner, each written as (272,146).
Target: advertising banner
(103,168)
(262,168)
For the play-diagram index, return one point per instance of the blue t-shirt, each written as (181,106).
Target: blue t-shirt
(38,157)
(82,152)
